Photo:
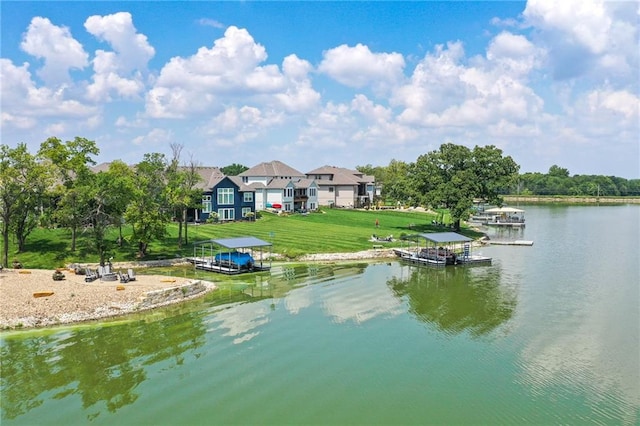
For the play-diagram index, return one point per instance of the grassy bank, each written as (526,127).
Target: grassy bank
(332,231)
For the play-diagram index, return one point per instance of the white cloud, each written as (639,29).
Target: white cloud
(596,38)
(118,71)
(210,23)
(230,74)
(155,138)
(239,125)
(23,103)
(57,47)
(358,67)
(447,92)
(133,50)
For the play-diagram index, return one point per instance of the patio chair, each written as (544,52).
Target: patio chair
(131,274)
(124,278)
(90,275)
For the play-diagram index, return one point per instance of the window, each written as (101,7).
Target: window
(331,189)
(312,192)
(245,211)
(247,197)
(225,196)
(312,206)
(226,214)
(288,192)
(206,204)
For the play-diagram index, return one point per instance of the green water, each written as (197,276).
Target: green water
(547,334)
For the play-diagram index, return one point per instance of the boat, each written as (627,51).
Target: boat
(505,216)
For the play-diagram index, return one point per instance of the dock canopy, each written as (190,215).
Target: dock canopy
(229,255)
(236,243)
(445,237)
(504,210)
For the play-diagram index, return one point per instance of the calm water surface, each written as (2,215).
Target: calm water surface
(548,334)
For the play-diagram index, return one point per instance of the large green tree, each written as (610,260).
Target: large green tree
(22,180)
(149,212)
(108,195)
(454,175)
(71,161)
(396,186)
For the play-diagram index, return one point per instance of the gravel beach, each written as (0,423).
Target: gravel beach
(73,299)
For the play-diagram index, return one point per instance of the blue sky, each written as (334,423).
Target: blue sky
(327,83)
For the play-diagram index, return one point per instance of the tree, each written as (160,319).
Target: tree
(29,204)
(70,161)
(558,171)
(454,175)
(21,182)
(233,169)
(396,185)
(494,173)
(182,190)
(148,213)
(110,192)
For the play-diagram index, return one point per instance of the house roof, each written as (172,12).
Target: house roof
(272,169)
(340,176)
(210,176)
(304,183)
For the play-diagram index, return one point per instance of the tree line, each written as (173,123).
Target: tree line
(56,187)
(397,182)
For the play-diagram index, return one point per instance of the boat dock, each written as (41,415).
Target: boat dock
(441,250)
(511,243)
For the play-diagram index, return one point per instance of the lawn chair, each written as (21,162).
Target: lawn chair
(124,278)
(131,274)
(90,275)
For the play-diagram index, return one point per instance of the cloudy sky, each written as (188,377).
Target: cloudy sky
(328,83)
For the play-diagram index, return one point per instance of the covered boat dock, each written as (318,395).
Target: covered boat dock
(505,216)
(231,255)
(440,249)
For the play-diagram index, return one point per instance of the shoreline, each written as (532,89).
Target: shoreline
(75,301)
(32,299)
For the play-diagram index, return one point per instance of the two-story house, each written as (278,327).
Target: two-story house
(228,197)
(280,187)
(341,187)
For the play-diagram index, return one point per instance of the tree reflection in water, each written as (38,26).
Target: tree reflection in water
(102,365)
(456,299)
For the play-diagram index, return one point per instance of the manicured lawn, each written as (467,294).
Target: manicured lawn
(334,230)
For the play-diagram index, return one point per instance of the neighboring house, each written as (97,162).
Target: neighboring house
(228,197)
(342,187)
(305,195)
(279,186)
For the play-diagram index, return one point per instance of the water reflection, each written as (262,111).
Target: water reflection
(101,366)
(456,299)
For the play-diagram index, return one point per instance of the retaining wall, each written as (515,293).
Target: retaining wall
(179,292)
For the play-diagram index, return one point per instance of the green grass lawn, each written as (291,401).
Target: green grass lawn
(333,230)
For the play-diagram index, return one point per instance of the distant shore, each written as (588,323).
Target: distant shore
(562,199)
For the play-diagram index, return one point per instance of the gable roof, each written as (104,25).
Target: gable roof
(209,176)
(340,176)
(272,169)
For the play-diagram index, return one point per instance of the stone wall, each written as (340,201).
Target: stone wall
(171,294)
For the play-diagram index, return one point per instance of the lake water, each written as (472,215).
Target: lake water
(547,334)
